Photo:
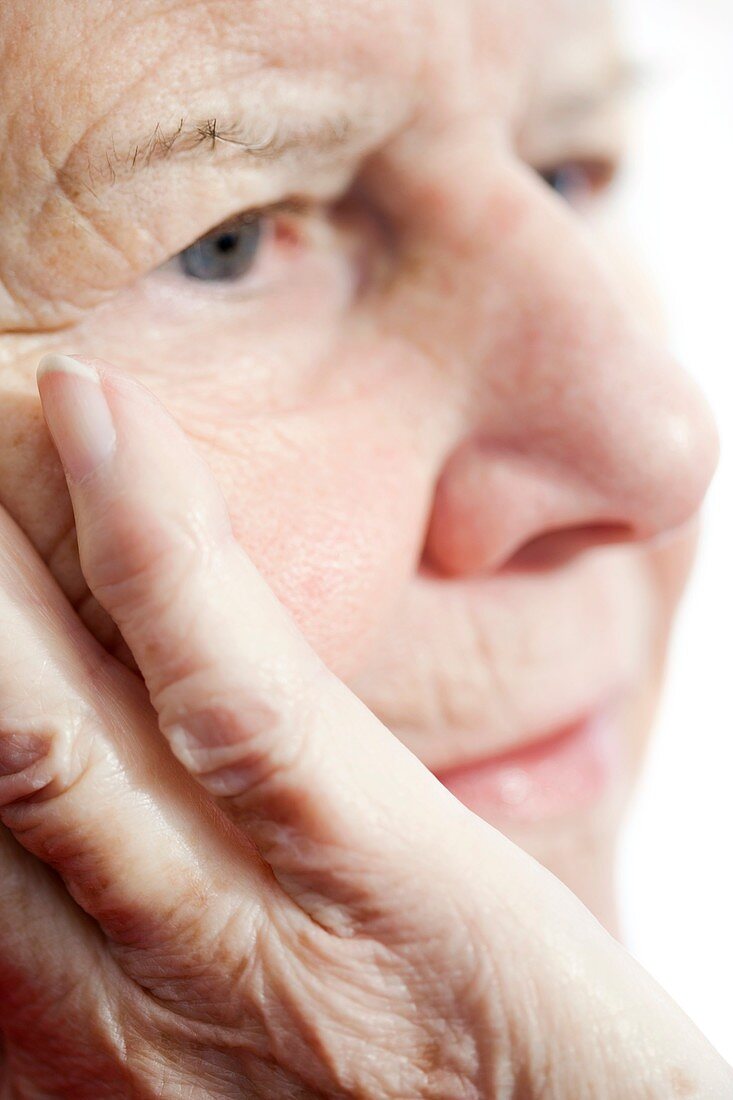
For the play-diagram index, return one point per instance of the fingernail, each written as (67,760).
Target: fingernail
(77,414)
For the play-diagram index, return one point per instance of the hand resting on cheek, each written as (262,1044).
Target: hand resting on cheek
(271,895)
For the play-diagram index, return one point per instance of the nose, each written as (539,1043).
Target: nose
(579,430)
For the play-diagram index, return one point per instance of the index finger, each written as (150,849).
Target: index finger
(323,789)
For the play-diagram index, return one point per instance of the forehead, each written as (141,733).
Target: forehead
(105,51)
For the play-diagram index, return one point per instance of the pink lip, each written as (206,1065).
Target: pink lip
(565,771)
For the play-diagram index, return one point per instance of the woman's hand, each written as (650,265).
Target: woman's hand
(260,892)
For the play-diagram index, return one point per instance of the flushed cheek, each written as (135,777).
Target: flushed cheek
(328,509)
(330,500)
(332,512)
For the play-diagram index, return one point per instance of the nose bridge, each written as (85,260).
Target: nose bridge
(576,383)
(576,422)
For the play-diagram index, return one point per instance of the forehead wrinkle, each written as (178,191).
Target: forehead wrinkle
(263,136)
(88,156)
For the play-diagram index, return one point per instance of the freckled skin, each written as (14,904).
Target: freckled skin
(491,386)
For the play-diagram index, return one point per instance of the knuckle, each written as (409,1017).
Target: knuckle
(240,735)
(236,745)
(139,562)
(41,761)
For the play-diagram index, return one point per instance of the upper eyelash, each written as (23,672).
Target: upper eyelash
(283,206)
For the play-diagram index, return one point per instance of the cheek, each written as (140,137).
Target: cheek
(33,488)
(329,503)
(327,476)
(32,484)
(331,510)
(668,569)
(670,565)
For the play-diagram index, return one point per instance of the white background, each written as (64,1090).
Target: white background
(676,862)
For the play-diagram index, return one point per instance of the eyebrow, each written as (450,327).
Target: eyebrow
(203,137)
(211,132)
(626,78)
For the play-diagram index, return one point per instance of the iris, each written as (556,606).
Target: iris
(224,254)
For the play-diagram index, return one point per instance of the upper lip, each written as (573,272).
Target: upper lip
(464,749)
(471,671)
(546,738)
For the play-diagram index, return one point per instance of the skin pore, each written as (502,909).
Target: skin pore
(431,401)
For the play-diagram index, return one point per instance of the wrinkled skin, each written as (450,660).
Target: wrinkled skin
(449,444)
(329,921)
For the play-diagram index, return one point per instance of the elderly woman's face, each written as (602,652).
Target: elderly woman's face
(320,232)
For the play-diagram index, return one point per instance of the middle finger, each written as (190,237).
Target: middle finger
(88,786)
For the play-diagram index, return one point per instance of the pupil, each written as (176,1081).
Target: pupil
(227,241)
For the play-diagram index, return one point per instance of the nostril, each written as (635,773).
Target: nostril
(555,548)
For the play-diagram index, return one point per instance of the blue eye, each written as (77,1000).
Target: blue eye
(574,180)
(225,254)
(565,179)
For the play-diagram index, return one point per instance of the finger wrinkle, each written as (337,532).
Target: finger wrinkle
(38,762)
(228,748)
(19,752)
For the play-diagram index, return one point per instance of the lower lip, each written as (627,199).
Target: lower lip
(566,772)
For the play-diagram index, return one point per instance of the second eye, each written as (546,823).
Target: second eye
(226,253)
(578,180)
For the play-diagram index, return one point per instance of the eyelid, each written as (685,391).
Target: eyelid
(294,206)
(282,221)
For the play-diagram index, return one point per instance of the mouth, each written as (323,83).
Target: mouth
(517,692)
(564,771)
